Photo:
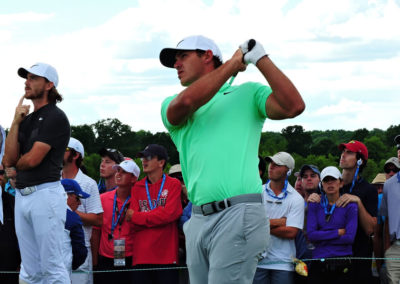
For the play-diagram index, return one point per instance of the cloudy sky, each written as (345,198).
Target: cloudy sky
(343,56)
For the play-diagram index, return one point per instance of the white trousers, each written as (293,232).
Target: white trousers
(39,223)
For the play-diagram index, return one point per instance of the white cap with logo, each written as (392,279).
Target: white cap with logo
(41,69)
(77,146)
(129,166)
(198,42)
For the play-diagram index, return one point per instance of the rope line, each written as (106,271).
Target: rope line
(185,267)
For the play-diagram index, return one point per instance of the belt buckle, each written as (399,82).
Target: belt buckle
(215,206)
(205,206)
(27,190)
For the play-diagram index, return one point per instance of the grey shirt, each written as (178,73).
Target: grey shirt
(390,205)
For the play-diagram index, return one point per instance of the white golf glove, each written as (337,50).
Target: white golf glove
(255,54)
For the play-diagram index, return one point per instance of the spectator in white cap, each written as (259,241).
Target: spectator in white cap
(332,230)
(89,210)
(115,226)
(284,208)
(35,146)
(216,128)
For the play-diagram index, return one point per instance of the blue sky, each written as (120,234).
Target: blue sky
(343,55)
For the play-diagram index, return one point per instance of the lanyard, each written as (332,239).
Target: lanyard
(398,176)
(354,179)
(324,204)
(284,191)
(158,196)
(102,186)
(115,209)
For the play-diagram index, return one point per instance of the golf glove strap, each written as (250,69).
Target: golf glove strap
(253,55)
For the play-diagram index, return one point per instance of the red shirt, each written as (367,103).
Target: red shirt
(156,231)
(125,230)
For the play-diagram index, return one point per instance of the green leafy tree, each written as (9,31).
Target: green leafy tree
(84,133)
(92,165)
(271,143)
(298,140)
(392,132)
(324,147)
(376,148)
(360,134)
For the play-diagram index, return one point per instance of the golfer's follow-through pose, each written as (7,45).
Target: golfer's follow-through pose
(216,128)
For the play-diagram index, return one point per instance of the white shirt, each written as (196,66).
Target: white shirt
(91,204)
(280,251)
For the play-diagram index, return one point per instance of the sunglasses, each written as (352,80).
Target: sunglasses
(388,170)
(147,158)
(2,172)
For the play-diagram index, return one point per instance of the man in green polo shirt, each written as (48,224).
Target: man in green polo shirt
(216,128)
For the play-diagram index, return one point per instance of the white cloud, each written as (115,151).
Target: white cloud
(22,18)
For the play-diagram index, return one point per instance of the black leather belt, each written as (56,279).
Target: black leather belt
(217,206)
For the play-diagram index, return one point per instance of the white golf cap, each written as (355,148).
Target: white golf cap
(41,69)
(77,146)
(129,166)
(330,172)
(282,159)
(198,42)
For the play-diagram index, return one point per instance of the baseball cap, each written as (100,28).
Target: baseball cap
(356,147)
(394,161)
(40,69)
(113,154)
(128,166)
(71,186)
(379,179)
(282,159)
(154,150)
(330,172)
(309,167)
(167,55)
(175,169)
(77,146)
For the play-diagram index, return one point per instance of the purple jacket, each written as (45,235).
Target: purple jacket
(324,234)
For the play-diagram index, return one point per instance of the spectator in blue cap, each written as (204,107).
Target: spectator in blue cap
(74,249)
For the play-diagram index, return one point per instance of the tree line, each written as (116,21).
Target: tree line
(315,147)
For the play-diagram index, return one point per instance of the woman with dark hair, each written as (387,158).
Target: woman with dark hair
(332,230)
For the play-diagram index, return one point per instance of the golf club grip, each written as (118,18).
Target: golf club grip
(251,44)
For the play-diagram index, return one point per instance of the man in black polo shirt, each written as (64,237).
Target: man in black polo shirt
(35,145)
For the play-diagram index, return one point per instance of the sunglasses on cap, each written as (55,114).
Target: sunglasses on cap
(147,158)
(388,170)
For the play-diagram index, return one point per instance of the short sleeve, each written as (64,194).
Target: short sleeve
(164,108)
(261,94)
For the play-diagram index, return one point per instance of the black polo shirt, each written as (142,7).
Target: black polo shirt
(362,246)
(49,125)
